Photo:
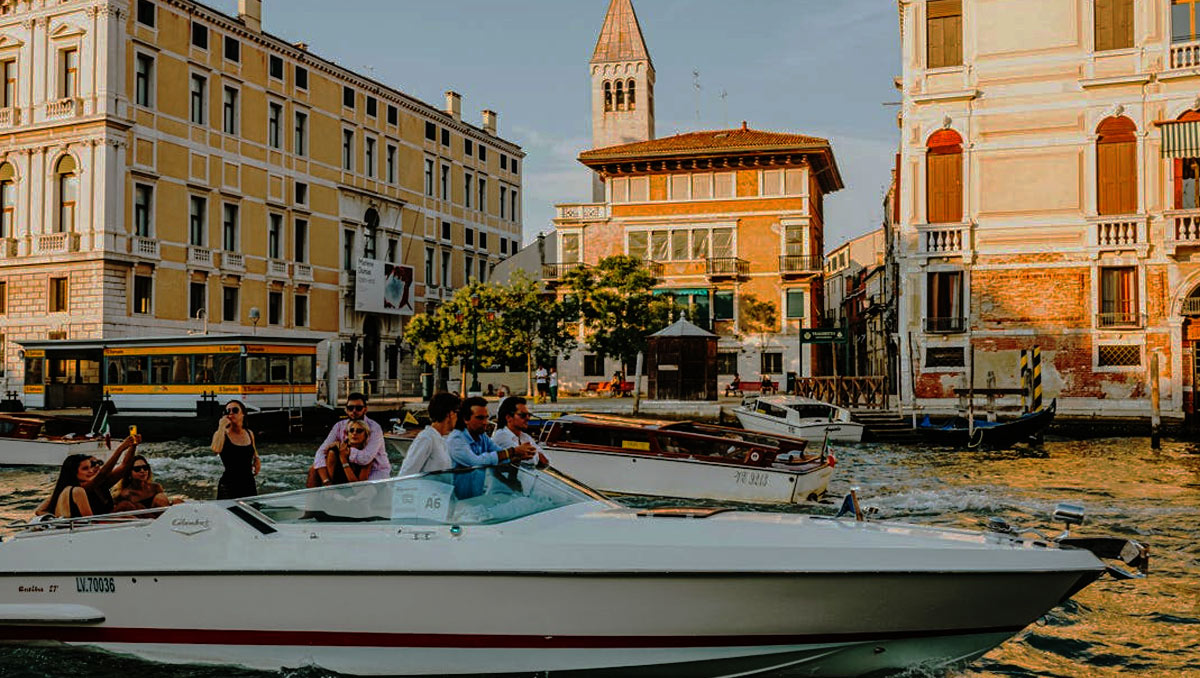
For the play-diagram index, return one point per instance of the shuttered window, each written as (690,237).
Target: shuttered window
(944,178)
(1114,24)
(1116,167)
(943,24)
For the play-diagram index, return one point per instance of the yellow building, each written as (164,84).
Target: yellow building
(166,168)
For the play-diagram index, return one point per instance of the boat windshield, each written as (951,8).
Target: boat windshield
(429,499)
(814,411)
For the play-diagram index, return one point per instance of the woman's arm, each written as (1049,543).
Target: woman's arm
(218,439)
(111,469)
(257,463)
(43,508)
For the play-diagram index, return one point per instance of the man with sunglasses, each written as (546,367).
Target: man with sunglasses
(470,446)
(513,425)
(374,453)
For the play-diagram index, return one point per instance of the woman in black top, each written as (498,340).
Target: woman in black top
(83,484)
(235,445)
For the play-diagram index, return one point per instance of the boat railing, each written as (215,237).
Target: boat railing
(48,525)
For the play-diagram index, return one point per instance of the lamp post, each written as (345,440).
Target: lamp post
(475,389)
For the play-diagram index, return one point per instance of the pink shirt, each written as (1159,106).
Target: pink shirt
(374,453)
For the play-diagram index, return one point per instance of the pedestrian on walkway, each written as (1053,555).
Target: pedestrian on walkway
(541,379)
(553,384)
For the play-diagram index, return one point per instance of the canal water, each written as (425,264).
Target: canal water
(1145,628)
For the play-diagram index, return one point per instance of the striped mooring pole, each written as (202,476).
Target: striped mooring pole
(1037,379)
(1025,381)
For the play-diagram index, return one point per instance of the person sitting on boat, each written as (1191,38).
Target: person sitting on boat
(469,446)
(513,417)
(373,455)
(137,489)
(83,484)
(337,456)
(234,443)
(428,450)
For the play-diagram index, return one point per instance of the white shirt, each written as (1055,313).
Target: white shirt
(505,438)
(427,453)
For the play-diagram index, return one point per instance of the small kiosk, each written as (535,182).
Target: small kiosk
(682,363)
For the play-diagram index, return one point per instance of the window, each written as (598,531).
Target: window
(229,228)
(468,185)
(233,49)
(1119,297)
(468,267)
(348,150)
(630,96)
(69,86)
(391,164)
(58,295)
(445,269)
(8,203)
(1116,167)
(229,304)
(943,24)
(429,177)
(1118,355)
(199,35)
(274,308)
(445,182)
(391,250)
(796,307)
(468,147)
(483,270)
(393,115)
(68,194)
(943,302)
(593,365)
(512,200)
(608,97)
(620,95)
(143,79)
(369,156)
(723,305)
(1183,21)
(275,236)
(197,220)
(370,244)
(503,200)
(142,285)
(301,193)
(483,152)
(469,236)
(301,77)
(347,97)
(347,250)
(503,161)
(1114,24)
(570,248)
(142,196)
(482,194)
(300,142)
(727,362)
(199,99)
(275,67)
(429,266)
(943,172)
(445,137)
(372,107)
(275,124)
(483,240)
(504,246)
(230,111)
(145,13)
(300,314)
(446,230)
(430,131)
(300,241)
(512,166)
(197,299)
(772,363)
(8,97)
(945,356)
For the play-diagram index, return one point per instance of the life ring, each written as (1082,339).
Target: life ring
(753,457)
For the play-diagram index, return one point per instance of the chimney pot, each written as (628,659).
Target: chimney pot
(454,104)
(250,12)
(489,121)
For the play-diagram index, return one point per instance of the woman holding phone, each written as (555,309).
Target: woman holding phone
(235,445)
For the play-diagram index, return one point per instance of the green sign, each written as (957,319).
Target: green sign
(828,335)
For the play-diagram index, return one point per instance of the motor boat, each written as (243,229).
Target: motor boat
(408,576)
(798,416)
(960,432)
(23,442)
(686,460)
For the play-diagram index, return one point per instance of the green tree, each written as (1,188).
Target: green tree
(758,317)
(534,325)
(445,336)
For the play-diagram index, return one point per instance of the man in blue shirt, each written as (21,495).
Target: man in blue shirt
(469,446)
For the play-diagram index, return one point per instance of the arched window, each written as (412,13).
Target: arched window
(943,178)
(620,95)
(68,194)
(8,201)
(1116,167)
(1186,173)
(607,96)
(632,95)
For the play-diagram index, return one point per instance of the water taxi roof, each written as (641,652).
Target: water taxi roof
(178,340)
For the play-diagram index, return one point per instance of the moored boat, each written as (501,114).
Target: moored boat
(403,576)
(23,442)
(798,416)
(958,432)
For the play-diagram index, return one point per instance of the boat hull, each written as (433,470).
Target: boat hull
(689,478)
(815,433)
(42,452)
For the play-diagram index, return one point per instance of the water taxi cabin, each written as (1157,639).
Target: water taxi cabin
(171,374)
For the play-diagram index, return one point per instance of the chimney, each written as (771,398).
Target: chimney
(250,12)
(454,104)
(489,122)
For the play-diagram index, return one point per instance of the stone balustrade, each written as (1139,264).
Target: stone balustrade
(233,261)
(199,256)
(596,211)
(145,247)
(56,243)
(1185,54)
(303,272)
(62,108)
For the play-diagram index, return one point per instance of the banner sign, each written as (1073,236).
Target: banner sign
(833,335)
(380,287)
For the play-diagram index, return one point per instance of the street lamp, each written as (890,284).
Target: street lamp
(475,389)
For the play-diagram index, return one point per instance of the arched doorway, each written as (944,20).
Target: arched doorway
(370,349)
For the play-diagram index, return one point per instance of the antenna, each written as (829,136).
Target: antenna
(696,84)
(724,109)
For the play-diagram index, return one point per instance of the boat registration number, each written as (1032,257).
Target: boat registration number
(751,478)
(95,585)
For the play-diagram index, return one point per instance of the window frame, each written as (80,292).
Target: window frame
(142,305)
(275,111)
(231,49)
(59,296)
(198,100)
(944,17)
(143,210)
(198,29)
(230,109)
(143,89)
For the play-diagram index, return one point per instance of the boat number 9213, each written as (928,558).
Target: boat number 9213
(95,585)
(751,478)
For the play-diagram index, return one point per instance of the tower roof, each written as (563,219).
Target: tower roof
(621,38)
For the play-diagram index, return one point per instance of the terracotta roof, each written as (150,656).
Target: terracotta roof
(621,37)
(741,139)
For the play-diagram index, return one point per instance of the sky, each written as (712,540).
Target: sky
(817,67)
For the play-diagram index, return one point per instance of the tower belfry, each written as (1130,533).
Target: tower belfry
(622,80)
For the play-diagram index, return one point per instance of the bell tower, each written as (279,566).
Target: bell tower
(622,83)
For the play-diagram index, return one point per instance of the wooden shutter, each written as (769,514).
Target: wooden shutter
(1122,24)
(1116,178)
(944,190)
(943,28)
(1104,25)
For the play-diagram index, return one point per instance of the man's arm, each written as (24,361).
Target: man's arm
(415,458)
(459,446)
(334,437)
(373,449)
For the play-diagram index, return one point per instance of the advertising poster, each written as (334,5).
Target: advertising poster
(381,287)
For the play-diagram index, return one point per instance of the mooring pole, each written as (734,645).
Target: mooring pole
(1155,415)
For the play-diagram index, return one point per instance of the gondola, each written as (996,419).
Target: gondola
(990,434)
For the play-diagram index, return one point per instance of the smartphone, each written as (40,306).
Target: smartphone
(133,430)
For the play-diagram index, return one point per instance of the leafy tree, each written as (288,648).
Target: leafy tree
(758,317)
(534,325)
(445,336)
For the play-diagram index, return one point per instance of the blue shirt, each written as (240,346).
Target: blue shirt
(467,450)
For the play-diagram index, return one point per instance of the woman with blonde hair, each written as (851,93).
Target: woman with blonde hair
(235,445)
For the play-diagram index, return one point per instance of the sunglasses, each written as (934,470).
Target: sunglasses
(141,468)
(355,408)
(358,430)
(232,410)
(523,415)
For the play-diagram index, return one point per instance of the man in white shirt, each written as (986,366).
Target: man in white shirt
(428,451)
(512,422)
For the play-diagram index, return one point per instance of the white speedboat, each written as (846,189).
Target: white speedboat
(796,416)
(22,443)
(685,460)
(401,576)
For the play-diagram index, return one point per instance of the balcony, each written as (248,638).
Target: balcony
(233,261)
(593,211)
(8,248)
(799,265)
(1191,307)
(1116,233)
(146,248)
(62,108)
(944,240)
(277,269)
(303,272)
(1183,229)
(553,274)
(56,243)
(724,268)
(10,117)
(656,269)
(200,256)
(946,325)
(1185,54)
(1127,320)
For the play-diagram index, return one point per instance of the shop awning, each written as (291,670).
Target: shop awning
(1181,139)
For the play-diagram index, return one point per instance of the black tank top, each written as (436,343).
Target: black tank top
(99,500)
(238,479)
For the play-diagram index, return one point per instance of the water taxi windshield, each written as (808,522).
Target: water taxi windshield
(428,499)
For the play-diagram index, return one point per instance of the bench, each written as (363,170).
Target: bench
(744,387)
(599,388)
